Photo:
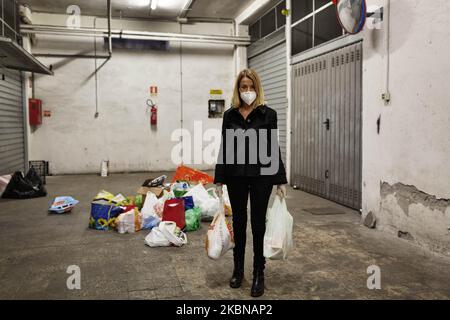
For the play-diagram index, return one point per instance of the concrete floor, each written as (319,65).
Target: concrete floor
(330,259)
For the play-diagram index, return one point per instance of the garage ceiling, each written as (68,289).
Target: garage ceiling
(229,9)
(166,9)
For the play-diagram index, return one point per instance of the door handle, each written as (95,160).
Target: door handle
(327,123)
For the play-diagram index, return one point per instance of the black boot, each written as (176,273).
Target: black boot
(238,275)
(258,283)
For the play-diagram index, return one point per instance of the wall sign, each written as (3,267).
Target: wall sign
(154,91)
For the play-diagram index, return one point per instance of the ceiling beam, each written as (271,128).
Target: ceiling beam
(253,10)
(185,11)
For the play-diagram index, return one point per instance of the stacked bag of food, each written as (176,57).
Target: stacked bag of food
(167,210)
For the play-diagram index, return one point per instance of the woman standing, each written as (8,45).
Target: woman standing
(243,167)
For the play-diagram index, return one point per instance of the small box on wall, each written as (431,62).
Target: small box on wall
(35,112)
(216,108)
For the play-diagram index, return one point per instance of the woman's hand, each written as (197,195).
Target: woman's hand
(281,191)
(219,190)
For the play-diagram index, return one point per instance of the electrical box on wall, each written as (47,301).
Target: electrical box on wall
(35,111)
(216,108)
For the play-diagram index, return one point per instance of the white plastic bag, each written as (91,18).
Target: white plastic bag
(148,209)
(278,236)
(157,239)
(226,201)
(172,233)
(165,235)
(226,197)
(220,237)
(208,205)
(126,222)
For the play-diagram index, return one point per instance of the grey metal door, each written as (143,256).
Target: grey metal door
(12,134)
(271,67)
(326,126)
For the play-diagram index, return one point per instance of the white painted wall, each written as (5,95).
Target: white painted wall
(413,147)
(75,142)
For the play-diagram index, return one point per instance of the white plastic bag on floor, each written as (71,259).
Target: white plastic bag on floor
(278,236)
(157,239)
(220,237)
(165,235)
(150,219)
(172,233)
(149,205)
(126,222)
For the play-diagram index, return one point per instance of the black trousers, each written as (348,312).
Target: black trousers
(259,189)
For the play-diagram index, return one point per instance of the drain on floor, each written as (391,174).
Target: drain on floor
(326,211)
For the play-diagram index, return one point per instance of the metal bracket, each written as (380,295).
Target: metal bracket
(377,14)
(386,97)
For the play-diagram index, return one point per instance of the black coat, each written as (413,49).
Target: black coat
(262,117)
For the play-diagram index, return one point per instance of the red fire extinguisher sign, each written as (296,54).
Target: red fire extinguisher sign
(153,91)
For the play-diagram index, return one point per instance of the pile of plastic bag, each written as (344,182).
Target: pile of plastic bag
(24,187)
(167,210)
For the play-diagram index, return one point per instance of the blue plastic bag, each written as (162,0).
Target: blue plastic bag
(188,203)
(63,205)
(150,222)
(103,215)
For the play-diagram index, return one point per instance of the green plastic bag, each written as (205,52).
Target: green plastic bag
(193,218)
(139,201)
(179,194)
(180,189)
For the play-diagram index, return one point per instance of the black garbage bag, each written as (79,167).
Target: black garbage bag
(27,187)
(34,177)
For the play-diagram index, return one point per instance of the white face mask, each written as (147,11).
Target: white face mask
(249,97)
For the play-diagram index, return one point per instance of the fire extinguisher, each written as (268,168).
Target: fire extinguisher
(153,113)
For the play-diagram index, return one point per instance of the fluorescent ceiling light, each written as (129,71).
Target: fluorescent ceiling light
(171,4)
(159,4)
(140,3)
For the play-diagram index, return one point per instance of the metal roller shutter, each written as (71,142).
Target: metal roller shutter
(326,124)
(271,67)
(12,134)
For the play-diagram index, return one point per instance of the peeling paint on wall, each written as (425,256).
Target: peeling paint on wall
(407,195)
(415,216)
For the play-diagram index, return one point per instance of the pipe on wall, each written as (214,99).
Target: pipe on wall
(289,88)
(109,9)
(387,94)
(128,34)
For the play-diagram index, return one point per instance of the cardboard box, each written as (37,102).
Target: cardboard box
(157,191)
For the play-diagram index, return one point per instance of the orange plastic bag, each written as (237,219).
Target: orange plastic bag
(188,174)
